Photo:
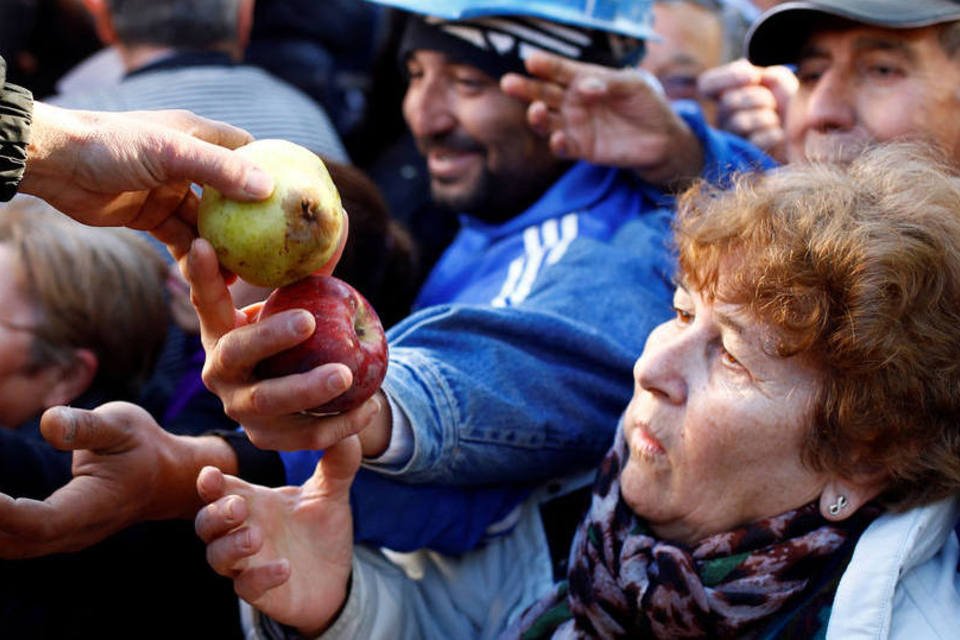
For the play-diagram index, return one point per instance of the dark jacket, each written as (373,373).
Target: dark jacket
(16,110)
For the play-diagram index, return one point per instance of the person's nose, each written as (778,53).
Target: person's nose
(427,107)
(663,367)
(829,103)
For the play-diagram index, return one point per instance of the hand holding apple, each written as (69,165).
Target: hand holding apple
(348,331)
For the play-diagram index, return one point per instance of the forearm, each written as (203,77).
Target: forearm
(487,408)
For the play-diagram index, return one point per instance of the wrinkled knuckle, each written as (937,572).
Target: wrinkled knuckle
(226,358)
(257,399)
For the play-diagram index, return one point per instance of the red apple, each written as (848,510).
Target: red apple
(348,331)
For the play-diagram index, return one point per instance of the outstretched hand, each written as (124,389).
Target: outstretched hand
(289,551)
(615,117)
(126,469)
(272,410)
(135,169)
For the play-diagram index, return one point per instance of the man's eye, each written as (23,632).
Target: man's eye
(810,72)
(884,70)
(683,317)
(470,83)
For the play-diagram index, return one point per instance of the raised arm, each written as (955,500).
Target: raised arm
(606,116)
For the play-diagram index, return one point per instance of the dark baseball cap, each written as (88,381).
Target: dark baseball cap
(777,36)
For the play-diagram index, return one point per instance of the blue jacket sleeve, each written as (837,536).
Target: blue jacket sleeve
(526,393)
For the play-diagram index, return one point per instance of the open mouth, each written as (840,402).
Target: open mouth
(449,164)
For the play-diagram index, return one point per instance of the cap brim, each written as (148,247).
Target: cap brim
(779,34)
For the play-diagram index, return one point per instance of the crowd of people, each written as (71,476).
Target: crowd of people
(671,291)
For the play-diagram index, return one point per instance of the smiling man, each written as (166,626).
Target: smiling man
(519,204)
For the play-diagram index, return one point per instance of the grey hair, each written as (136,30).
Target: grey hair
(181,24)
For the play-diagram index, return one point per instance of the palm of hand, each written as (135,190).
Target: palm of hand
(313,532)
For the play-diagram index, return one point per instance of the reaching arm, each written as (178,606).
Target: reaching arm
(130,169)
(126,469)
(289,551)
(290,554)
(135,169)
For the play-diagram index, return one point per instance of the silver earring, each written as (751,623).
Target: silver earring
(838,506)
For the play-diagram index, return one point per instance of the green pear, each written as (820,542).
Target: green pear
(288,236)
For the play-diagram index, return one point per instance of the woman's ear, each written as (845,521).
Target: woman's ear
(842,497)
(72,379)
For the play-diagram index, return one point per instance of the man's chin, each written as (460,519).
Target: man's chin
(455,198)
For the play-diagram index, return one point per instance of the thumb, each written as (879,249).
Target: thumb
(67,429)
(339,465)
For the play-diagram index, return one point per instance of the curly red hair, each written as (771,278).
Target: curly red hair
(858,269)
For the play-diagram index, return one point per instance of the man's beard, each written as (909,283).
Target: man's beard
(476,202)
(833,147)
(492,197)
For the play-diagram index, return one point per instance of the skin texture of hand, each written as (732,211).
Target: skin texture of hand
(614,117)
(135,169)
(269,410)
(289,551)
(752,102)
(126,469)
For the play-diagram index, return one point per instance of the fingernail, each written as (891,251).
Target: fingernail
(593,84)
(259,183)
(301,322)
(246,539)
(337,381)
(230,510)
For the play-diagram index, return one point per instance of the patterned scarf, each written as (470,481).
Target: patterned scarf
(773,578)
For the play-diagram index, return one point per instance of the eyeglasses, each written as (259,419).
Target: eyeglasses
(13,326)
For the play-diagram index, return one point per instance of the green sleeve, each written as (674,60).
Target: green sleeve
(16,111)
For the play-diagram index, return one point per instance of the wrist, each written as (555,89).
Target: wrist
(47,155)
(315,631)
(181,464)
(682,158)
(375,437)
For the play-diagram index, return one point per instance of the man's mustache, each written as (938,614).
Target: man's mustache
(454,141)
